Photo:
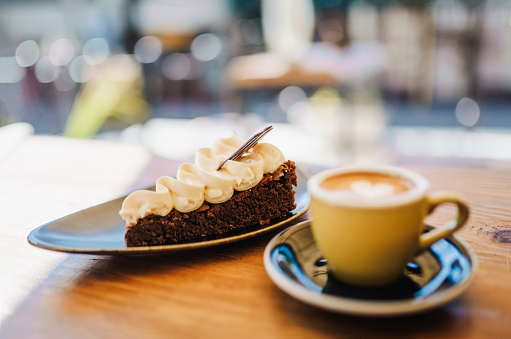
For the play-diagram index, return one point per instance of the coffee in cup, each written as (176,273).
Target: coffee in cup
(368,221)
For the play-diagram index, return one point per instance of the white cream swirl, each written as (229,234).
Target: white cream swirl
(199,182)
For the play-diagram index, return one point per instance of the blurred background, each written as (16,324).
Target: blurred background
(342,81)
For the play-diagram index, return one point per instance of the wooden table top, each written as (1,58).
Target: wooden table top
(221,292)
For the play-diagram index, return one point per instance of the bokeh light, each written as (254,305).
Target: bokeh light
(96,51)
(61,52)
(27,53)
(80,70)
(176,66)
(148,49)
(206,47)
(291,95)
(467,112)
(45,70)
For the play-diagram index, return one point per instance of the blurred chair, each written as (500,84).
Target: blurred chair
(115,91)
(322,65)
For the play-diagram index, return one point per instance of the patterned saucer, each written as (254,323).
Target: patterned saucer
(433,278)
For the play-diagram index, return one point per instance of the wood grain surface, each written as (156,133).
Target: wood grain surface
(221,292)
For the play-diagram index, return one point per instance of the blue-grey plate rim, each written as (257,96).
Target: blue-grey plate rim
(100,230)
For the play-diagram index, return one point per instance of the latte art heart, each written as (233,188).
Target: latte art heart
(365,187)
(371,191)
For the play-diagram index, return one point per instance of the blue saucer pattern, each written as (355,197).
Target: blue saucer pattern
(442,266)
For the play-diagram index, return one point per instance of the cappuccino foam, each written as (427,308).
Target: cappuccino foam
(367,185)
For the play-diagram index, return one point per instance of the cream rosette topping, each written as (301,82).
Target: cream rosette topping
(199,182)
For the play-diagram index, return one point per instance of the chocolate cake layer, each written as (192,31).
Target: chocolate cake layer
(271,199)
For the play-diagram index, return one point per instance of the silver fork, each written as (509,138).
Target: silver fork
(247,145)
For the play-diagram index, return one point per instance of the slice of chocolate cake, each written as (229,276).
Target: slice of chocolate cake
(203,201)
(269,200)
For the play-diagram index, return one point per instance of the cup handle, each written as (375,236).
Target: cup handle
(428,239)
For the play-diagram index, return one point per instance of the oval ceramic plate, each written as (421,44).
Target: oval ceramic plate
(100,230)
(432,278)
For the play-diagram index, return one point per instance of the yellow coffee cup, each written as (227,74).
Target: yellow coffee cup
(368,221)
